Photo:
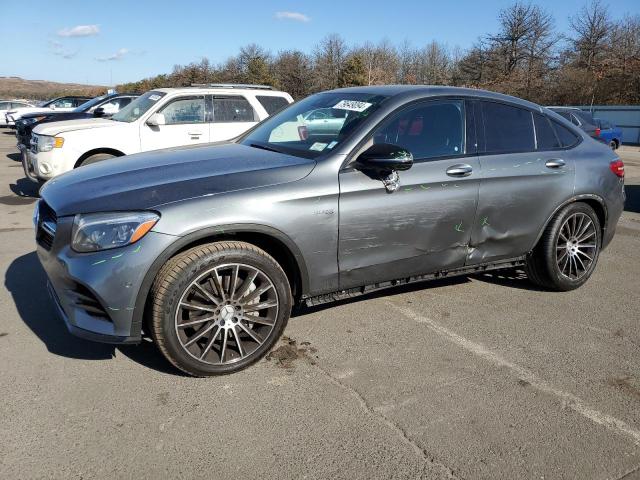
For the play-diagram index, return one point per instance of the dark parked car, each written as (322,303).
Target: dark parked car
(609,133)
(103,106)
(208,248)
(581,119)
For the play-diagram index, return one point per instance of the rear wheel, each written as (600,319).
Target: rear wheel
(98,157)
(568,250)
(219,308)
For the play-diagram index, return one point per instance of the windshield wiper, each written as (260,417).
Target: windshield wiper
(263,147)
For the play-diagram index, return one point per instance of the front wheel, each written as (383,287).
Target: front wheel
(568,250)
(219,308)
(98,157)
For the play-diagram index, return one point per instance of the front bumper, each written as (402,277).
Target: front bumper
(96,293)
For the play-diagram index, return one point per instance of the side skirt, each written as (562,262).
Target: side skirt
(357,291)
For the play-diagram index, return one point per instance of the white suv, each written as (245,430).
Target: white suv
(162,118)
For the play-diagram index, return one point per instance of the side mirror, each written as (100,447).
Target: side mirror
(98,112)
(384,158)
(156,120)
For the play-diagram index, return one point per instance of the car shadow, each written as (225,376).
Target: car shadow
(14,156)
(25,188)
(26,280)
(632,203)
(509,277)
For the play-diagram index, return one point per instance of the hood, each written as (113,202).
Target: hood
(71,125)
(51,114)
(148,180)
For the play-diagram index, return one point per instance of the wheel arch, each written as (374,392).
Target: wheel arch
(274,242)
(594,201)
(110,151)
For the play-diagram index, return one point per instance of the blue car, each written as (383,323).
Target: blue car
(609,133)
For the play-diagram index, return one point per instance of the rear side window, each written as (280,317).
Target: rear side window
(272,104)
(429,130)
(507,129)
(184,110)
(545,135)
(567,137)
(232,109)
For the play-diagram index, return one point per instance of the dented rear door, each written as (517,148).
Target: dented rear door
(519,188)
(425,225)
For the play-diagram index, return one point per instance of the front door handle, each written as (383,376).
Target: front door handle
(195,134)
(554,163)
(460,170)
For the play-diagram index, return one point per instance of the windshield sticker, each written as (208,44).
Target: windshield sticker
(154,98)
(332,144)
(318,147)
(353,105)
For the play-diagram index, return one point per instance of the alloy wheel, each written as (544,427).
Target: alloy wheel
(576,247)
(226,313)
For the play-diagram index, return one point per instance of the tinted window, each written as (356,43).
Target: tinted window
(5,106)
(429,130)
(232,109)
(585,117)
(567,137)
(545,135)
(184,110)
(19,105)
(124,101)
(507,128)
(272,104)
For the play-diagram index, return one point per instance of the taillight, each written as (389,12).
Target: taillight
(617,167)
(598,132)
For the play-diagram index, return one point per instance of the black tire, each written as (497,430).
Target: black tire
(176,280)
(98,157)
(544,263)
(613,145)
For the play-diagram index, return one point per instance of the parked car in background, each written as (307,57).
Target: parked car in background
(104,106)
(207,249)
(609,133)
(162,118)
(10,105)
(581,119)
(64,104)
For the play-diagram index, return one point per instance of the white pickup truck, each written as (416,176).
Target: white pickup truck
(161,118)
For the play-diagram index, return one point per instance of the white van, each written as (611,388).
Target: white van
(162,118)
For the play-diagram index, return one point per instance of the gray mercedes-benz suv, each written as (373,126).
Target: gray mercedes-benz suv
(207,249)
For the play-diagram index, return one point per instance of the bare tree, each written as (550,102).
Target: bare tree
(328,58)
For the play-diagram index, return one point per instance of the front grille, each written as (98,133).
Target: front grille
(47,225)
(84,299)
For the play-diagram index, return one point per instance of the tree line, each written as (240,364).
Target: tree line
(596,62)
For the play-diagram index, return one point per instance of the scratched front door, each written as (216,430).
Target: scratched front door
(423,226)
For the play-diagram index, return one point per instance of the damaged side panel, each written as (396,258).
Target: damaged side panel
(518,193)
(424,226)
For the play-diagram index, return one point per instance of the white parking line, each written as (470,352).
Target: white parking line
(568,399)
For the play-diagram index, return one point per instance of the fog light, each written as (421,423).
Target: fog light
(44,168)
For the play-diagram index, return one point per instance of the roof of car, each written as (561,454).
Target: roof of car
(230,89)
(434,90)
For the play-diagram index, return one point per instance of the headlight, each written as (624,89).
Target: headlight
(47,143)
(102,231)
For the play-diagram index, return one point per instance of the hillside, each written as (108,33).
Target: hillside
(16,87)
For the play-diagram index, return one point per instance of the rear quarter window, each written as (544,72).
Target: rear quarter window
(546,138)
(271,103)
(231,109)
(566,137)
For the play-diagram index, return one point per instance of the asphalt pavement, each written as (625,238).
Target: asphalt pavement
(474,377)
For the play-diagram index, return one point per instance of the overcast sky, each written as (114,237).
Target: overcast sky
(118,41)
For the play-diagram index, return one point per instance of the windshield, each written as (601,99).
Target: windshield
(87,105)
(314,125)
(138,107)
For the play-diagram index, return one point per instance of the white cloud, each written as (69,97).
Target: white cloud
(298,17)
(79,31)
(114,56)
(58,49)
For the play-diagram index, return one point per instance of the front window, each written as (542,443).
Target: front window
(315,125)
(184,110)
(87,105)
(138,107)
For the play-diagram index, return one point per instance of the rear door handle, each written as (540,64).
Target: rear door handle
(554,163)
(460,170)
(195,134)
